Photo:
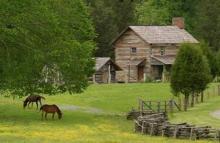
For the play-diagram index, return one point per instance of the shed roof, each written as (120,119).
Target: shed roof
(162,34)
(101,61)
(166,59)
(138,62)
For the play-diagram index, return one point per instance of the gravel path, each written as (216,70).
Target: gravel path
(88,110)
(216,114)
(80,108)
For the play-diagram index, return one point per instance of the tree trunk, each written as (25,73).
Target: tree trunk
(197,98)
(202,94)
(180,102)
(192,100)
(186,102)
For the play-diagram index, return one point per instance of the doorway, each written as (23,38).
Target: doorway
(141,73)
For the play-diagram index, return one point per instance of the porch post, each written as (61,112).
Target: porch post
(93,78)
(163,74)
(109,73)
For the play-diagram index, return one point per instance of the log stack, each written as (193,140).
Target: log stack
(157,124)
(134,114)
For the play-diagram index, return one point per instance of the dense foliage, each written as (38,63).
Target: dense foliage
(110,18)
(37,35)
(190,72)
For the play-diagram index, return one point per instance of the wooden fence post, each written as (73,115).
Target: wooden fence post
(217,135)
(218,90)
(175,132)
(158,107)
(165,106)
(142,107)
(139,104)
(171,106)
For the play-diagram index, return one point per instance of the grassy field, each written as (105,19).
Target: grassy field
(105,123)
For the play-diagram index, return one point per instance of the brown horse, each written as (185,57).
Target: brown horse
(50,109)
(31,99)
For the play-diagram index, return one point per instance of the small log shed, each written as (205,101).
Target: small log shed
(105,70)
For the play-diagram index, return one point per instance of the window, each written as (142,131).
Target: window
(162,51)
(133,50)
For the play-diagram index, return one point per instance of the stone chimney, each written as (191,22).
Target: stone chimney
(179,22)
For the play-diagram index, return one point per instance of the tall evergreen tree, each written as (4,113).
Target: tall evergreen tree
(190,72)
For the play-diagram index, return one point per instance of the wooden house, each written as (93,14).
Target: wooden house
(105,70)
(148,52)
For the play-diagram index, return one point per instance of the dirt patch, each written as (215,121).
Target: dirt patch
(216,114)
(91,110)
(80,108)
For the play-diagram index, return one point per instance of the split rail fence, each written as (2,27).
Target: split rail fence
(156,124)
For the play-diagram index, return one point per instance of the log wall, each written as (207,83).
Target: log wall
(124,56)
(170,49)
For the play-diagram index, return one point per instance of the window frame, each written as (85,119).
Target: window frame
(133,50)
(162,51)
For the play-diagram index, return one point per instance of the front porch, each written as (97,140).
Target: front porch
(161,67)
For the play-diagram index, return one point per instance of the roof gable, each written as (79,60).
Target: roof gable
(101,61)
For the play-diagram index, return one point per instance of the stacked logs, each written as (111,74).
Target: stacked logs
(134,114)
(157,124)
(151,124)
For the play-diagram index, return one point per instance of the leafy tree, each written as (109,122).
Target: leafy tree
(190,72)
(35,34)
(161,12)
(151,12)
(207,24)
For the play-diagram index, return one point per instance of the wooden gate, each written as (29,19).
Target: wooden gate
(158,106)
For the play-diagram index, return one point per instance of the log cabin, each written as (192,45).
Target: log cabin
(148,52)
(105,70)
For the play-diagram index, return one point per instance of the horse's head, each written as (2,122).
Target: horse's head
(60,115)
(25,103)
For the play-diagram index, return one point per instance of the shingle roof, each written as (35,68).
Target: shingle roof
(101,61)
(163,34)
(137,62)
(166,59)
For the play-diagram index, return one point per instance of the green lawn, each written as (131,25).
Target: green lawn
(109,126)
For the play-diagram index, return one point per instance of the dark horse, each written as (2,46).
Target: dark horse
(31,99)
(50,109)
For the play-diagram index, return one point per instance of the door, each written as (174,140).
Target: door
(140,73)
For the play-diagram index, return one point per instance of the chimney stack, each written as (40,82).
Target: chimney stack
(179,22)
